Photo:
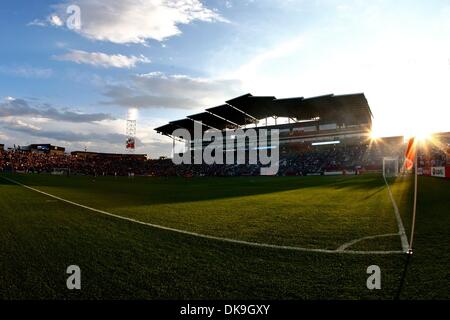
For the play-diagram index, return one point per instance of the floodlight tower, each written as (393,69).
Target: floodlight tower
(131,129)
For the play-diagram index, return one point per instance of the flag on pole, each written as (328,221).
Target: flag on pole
(410,162)
(410,154)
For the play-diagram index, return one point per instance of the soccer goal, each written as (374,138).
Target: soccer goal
(390,167)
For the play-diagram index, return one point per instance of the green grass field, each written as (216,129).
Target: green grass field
(40,236)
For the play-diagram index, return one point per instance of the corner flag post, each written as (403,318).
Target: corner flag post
(410,251)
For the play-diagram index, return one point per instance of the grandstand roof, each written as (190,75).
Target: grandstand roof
(188,124)
(257,107)
(212,120)
(350,109)
(232,114)
(167,129)
(287,107)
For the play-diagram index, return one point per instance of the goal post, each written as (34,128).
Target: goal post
(390,167)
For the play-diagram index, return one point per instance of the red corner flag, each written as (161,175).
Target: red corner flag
(410,154)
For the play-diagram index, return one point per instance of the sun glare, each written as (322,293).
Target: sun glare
(420,135)
(374,135)
(423,136)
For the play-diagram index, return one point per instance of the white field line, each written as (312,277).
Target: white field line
(401,228)
(349,244)
(204,236)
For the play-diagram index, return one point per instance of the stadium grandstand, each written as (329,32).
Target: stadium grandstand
(77,162)
(317,135)
(303,159)
(325,135)
(311,119)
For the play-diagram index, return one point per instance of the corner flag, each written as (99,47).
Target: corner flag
(410,154)
(410,161)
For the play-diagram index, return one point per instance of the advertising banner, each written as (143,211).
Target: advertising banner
(333,173)
(438,172)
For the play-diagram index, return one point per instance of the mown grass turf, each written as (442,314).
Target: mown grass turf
(40,237)
(311,212)
(428,275)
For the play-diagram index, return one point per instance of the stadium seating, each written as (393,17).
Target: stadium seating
(311,160)
(300,159)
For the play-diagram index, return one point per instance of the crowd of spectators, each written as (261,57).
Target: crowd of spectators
(21,161)
(323,159)
(433,157)
(308,160)
(297,163)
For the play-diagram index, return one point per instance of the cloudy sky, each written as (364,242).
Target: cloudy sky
(71,84)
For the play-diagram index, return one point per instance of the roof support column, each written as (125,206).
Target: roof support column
(173,147)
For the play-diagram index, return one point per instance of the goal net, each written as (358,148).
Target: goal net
(390,167)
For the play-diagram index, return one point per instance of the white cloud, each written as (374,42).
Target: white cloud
(23,124)
(12,107)
(279,51)
(55,20)
(100,59)
(37,22)
(130,21)
(158,90)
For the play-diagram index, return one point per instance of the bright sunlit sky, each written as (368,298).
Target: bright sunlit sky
(170,59)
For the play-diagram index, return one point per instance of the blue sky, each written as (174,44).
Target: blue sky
(169,59)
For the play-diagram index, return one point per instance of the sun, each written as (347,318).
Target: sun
(374,135)
(420,134)
(423,136)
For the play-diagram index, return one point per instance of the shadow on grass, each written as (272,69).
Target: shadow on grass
(4,182)
(158,190)
(374,193)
